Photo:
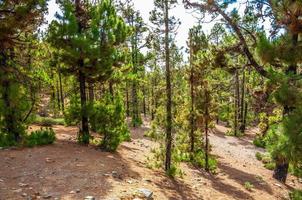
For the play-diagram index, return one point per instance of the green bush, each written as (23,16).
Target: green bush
(296,195)
(6,140)
(72,114)
(248,186)
(269,165)
(40,137)
(108,117)
(259,142)
(48,121)
(259,156)
(199,160)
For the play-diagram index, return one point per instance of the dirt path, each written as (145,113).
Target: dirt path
(66,170)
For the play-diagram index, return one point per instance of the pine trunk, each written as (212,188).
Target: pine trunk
(236,101)
(206,118)
(242,105)
(282,163)
(61,91)
(169,92)
(84,133)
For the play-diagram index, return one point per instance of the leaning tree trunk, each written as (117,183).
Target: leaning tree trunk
(169,92)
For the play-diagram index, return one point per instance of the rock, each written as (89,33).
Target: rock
(18,190)
(47,196)
(72,192)
(300,180)
(130,181)
(78,190)
(24,195)
(146,193)
(23,184)
(89,198)
(116,175)
(1,180)
(277,184)
(148,180)
(49,160)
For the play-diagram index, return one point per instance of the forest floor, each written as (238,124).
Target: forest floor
(66,170)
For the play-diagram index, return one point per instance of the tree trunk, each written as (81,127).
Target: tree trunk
(281,169)
(111,89)
(242,104)
(136,119)
(236,101)
(127,101)
(58,95)
(91,92)
(152,102)
(206,118)
(282,163)
(84,133)
(169,92)
(192,115)
(61,91)
(144,101)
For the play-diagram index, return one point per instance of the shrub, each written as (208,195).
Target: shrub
(72,114)
(259,156)
(269,165)
(6,140)
(259,142)
(40,137)
(108,117)
(296,195)
(48,121)
(248,186)
(199,159)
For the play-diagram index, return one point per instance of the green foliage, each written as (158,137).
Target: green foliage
(198,159)
(154,132)
(48,121)
(259,156)
(136,121)
(259,141)
(248,186)
(296,194)
(72,114)
(40,137)
(108,117)
(6,140)
(270,165)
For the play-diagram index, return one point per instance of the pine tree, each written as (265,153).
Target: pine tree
(88,36)
(19,21)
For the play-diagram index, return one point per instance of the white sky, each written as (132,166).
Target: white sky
(145,6)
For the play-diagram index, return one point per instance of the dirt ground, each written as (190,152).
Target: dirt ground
(66,170)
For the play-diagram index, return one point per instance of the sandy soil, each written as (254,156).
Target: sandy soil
(67,170)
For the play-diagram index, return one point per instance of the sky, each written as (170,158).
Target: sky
(145,6)
(187,18)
